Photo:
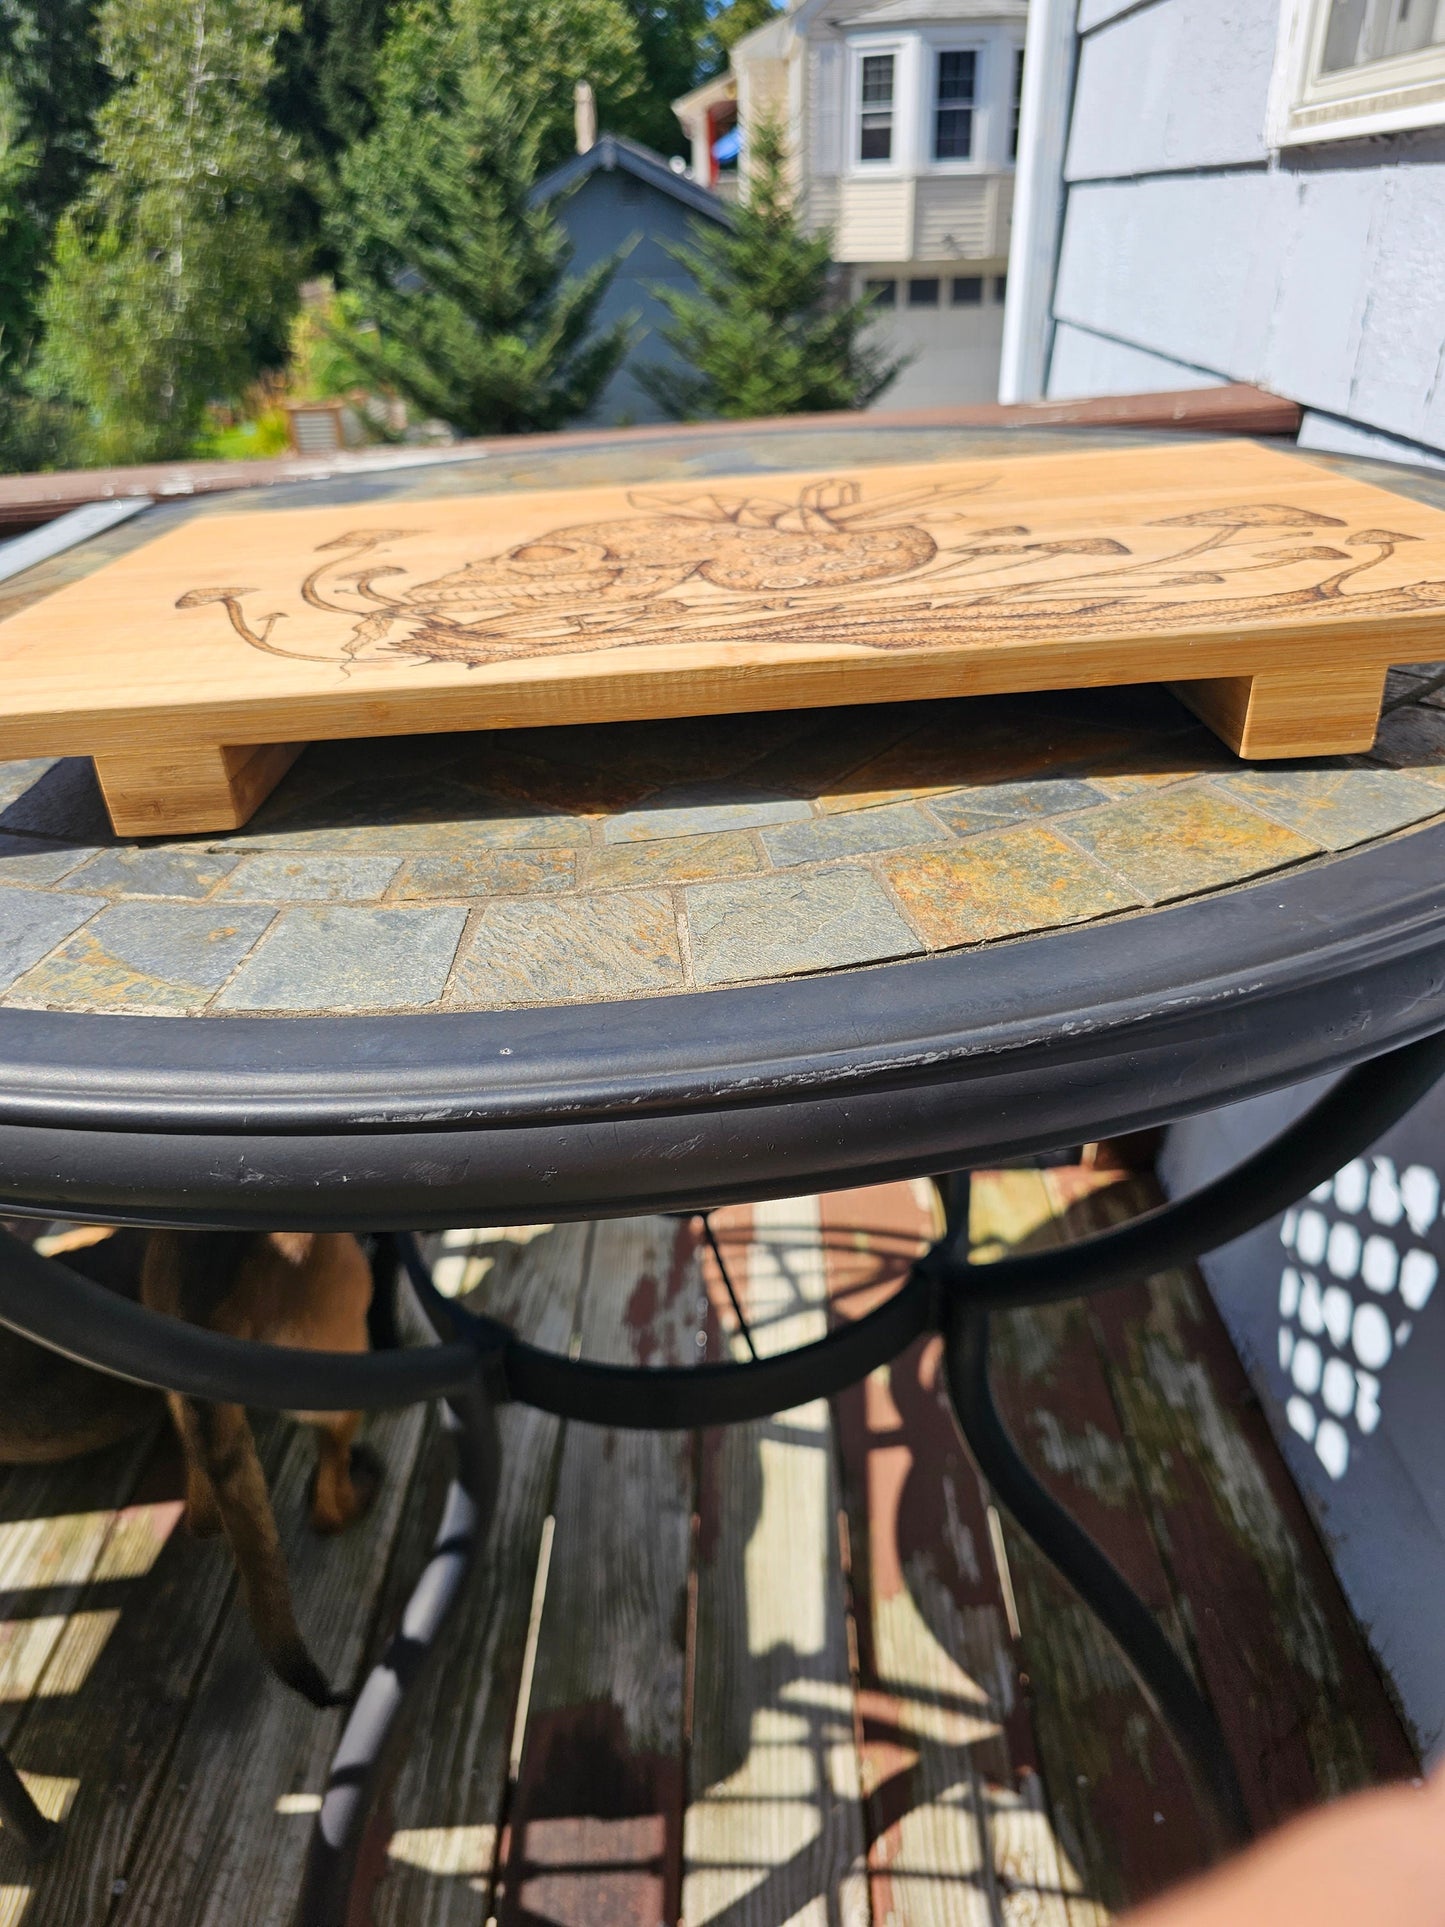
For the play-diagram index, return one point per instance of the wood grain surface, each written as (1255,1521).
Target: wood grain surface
(1273,592)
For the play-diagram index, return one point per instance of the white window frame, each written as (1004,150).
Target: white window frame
(1383,97)
(900,157)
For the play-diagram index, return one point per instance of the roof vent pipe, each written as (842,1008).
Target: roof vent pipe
(584,114)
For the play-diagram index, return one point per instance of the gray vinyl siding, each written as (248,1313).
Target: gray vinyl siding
(1319,274)
(611,212)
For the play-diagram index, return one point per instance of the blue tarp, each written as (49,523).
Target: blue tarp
(727,146)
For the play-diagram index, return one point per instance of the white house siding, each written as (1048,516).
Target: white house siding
(1317,274)
(955,219)
(875,221)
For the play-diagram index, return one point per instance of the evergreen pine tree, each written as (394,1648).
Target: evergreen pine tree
(459,275)
(172,279)
(761,331)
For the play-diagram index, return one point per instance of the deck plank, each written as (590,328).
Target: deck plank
(231,1819)
(448,1804)
(774,1828)
(594,1832)
(958,1830)
(1125,1813)
(1303,1710)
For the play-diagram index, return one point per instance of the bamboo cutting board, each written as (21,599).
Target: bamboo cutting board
(1274,595)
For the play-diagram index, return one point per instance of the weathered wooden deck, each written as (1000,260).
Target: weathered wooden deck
(793,1673)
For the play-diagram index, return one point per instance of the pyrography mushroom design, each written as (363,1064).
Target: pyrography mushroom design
(812,570)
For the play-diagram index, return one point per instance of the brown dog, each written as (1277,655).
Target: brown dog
(302,1289)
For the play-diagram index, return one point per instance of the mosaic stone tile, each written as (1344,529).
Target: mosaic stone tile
(17,778)
(141,871)
(586,949)
(1179,842)
(337,957)
(297,878)
(1017,880)
(33,859)
(448,818)
(62,801)
(666,750)
(969,751)
(1336,807)
(1411,738)
(837,741)
(684,859)
(32,922)
(780,925)
(138,957)
(490,873)
(850,833)
(1155,765)
(989,806)
(692,809)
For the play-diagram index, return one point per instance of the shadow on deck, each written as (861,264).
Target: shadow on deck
(795,1671)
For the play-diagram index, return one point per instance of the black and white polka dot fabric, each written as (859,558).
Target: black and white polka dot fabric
(1358,1272)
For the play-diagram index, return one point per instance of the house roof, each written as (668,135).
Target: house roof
(612,152)
(851,13)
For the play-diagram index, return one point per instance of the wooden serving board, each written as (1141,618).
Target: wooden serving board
(1273,594)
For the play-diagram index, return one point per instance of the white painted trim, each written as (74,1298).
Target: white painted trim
(1038,209)
(1383,97)
(22,552)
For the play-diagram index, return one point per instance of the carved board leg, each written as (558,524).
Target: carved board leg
(1329,711)
(184,789)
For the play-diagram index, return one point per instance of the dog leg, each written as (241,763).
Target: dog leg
(203,1511)
(228,1453)
(335,1500)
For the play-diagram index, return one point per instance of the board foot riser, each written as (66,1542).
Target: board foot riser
(1291,712)
(189,790)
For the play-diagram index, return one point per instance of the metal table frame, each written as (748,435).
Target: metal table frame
(478,1365)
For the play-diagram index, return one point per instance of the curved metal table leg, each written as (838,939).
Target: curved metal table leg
(375,1729)
(1162,1676)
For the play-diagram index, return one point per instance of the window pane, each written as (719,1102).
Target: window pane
(878,80)
(967,290)
(1013,137)
(875,130)
(1360,31)
(956,77)
(1000,287)
(953,134)
(884,293)
(953,109)
(875,140)
(923,293)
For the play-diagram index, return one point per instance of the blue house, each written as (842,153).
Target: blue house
(620,197)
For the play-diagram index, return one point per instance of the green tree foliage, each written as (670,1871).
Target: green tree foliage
(172,279)
(761,331)
(462,279)
(540,49)
(21,237)
(51,84)
(50,58)
(673,45)
(730,23)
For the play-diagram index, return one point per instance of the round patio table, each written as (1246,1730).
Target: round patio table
(581,972)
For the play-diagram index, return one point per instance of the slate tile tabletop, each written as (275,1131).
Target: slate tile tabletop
(583,864)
